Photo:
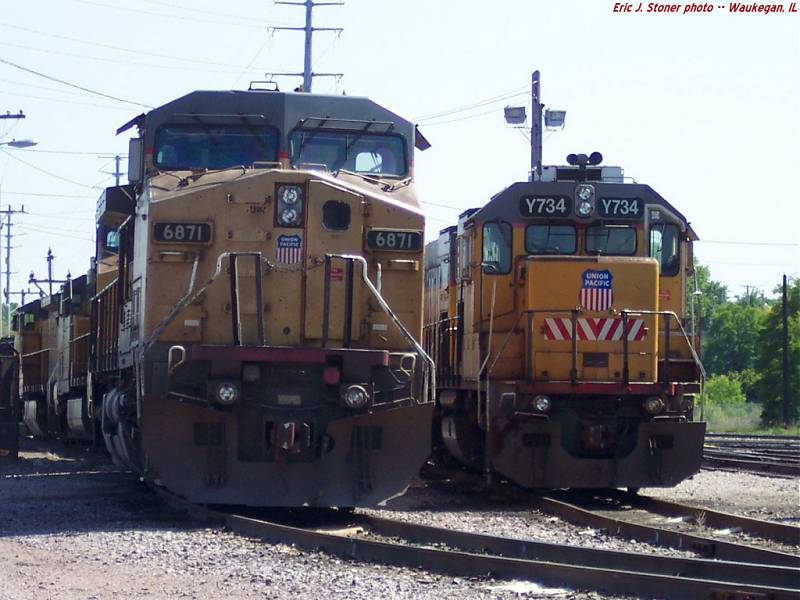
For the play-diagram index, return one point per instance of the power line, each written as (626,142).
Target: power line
(42,195)
(32,166)
(60,101)
(477,104)
(139,11)
(85,89)
(75,152)
(739,243)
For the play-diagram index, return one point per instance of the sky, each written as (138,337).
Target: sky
(703,107)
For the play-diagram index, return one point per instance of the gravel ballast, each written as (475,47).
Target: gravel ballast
(72,526)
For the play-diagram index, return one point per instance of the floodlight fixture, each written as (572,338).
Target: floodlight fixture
(554,118)
(515,115)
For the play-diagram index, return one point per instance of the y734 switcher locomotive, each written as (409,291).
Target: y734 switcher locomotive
(555,316)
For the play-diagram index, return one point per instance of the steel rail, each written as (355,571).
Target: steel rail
(771,530)
(695,568)
(775,468)
(708,547)
(470,564)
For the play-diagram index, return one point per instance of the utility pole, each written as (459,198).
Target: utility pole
(116,172)
(785,336)
(9,213)
(536,128)
(308,73)
(49,281)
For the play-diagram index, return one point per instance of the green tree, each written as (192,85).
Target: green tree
(706,295)
(732,340)
(769,362)
(722,390)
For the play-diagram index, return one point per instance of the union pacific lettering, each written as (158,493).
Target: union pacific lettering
(754,8)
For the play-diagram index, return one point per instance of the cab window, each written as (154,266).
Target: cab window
(550,239)
(496,257)
(665,246)
(613,240)
(352,151)
(207,146)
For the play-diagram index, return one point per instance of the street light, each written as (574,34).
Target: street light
(19,143)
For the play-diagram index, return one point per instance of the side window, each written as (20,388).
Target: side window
(613,240)
(112,240)
(496,259)
(550,239)
(464,256)
(665,246)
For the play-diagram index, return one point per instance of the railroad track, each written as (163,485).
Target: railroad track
(373,539)
(778,454)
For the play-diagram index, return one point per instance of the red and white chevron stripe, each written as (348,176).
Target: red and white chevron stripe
(593,329)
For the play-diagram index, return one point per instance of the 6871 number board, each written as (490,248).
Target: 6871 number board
(394,240)
(183,232)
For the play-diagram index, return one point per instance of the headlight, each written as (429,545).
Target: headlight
(289,207)
(355,397)
(227,393)
(542,403)
(290,194)
(585,192)
(584,195)
(653,405)
(288,216)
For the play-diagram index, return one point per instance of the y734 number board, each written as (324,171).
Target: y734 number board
(183,232)
(394,240)
(620,208)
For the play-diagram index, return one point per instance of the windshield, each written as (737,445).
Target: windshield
(618,240)
(550,239)
(214,146)
(351,151)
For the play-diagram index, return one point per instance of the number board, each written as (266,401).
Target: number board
(545,206)
(394,240)
(620,208)
(182,232)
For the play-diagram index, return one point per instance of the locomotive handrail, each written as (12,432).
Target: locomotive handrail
(574,311)
(430,388)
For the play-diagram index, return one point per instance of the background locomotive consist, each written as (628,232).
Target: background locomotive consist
(555,317)
(247,332)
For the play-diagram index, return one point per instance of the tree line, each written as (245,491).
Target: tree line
(742,347)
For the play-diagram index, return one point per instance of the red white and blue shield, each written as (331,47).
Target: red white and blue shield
(597,292)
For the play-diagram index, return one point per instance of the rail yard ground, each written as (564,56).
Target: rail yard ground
(73,526)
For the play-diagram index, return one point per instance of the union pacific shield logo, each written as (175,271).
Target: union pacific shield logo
(289,249)
(597,292)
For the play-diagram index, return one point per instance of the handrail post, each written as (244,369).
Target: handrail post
(348,306)
(667,329)
(530,371)
(259,301)
(574,322)
(326,300)
(234,299)
(626,376)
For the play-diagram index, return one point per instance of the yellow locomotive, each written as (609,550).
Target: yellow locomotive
(251,320)
(555,315)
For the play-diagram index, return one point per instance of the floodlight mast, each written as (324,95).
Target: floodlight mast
(536,129)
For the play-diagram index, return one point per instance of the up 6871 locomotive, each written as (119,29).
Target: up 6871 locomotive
(247,334)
